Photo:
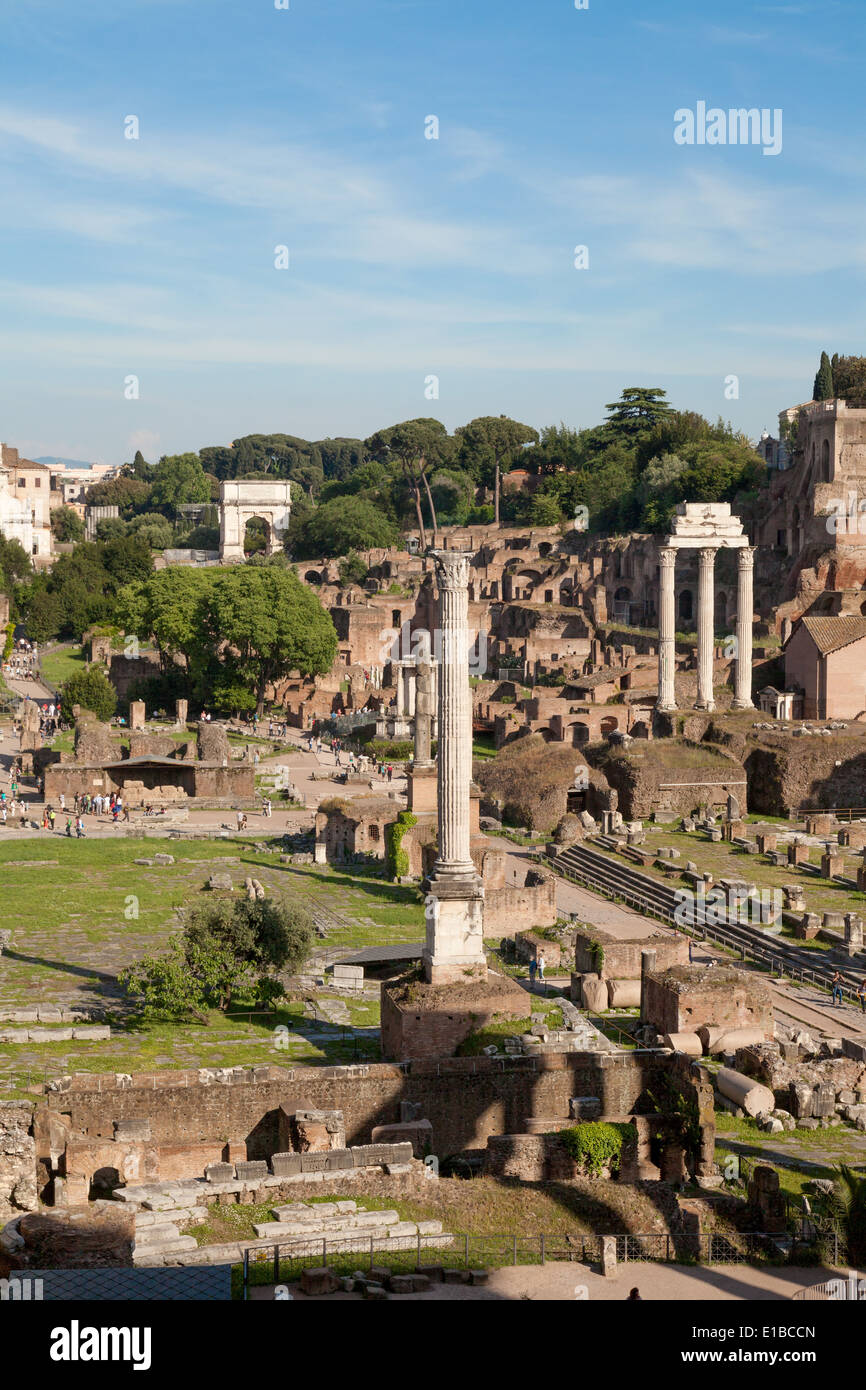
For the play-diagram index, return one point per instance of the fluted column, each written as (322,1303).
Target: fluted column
(745,614)
(706,627)
(455,714)
(454,950)
(667,629)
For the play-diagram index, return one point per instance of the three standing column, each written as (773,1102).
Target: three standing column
(706,627)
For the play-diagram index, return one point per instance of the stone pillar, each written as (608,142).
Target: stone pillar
(423,715)
(406,702)
(667,628)
(706,614)
(647,966)
(136,714)
(454,948)
(181,710)
(745,606)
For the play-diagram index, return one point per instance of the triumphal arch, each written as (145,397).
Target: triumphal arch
(240,502)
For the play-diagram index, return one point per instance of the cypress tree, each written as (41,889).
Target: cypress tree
(823,387)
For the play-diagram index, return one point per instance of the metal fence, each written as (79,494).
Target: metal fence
(268,1264)
(845,1288)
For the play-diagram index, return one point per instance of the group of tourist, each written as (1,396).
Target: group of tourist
(22,663)
(87,805)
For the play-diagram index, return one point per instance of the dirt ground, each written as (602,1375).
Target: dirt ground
(577,1283)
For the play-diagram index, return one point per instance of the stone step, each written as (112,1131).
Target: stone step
(146,1218)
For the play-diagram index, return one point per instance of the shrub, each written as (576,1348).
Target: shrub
(91,689)
(597,1144)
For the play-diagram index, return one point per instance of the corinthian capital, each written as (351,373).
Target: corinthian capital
(452,569)
(746,558)
(667,556)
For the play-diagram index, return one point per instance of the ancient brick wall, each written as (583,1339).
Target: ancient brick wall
(465,1099)
(622,959)
(718,997)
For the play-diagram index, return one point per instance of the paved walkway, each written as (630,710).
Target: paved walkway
(569,1283)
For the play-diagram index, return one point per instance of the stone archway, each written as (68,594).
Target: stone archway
(240,502)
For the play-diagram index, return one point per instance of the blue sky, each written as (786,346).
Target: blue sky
(412,257)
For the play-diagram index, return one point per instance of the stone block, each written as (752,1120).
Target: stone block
(131,1129)
(584,1108)
(220,1172)
(285,1165)
(315,1282)
(252,1171)
(401,1283)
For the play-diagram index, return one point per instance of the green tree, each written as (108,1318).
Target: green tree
(638,409)
(42,616)
(487,444)
(179,479)
(418,447)
(345,524)
(130,494)
(91,689)
(849,1208)
(228,949)
(353,570)
(14,563)
(66,525)
(272,623)
(822,390)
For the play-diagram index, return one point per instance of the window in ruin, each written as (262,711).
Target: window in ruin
(686,605)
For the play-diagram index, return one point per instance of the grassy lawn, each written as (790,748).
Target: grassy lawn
(62,662)
(80,911)
(798,1156)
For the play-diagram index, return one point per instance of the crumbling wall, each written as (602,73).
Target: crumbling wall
(18,1191)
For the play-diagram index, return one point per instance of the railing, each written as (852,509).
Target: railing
(848,812)
(285,1259)
(776,961)
(843,1289)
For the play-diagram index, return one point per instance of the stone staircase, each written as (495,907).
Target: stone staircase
(346,1227)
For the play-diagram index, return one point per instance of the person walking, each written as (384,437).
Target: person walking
(533,967)
(126,813)
(51,816)
(79,828)
(838,981)
(69,826)
(541,967)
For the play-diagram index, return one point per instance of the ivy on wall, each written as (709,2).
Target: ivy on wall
(396,858)
(597,1144)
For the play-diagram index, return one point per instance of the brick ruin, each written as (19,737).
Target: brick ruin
(91,1134)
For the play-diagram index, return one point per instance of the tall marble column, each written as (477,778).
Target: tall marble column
(706,627)
(745,614)
(667,629)
(454,948)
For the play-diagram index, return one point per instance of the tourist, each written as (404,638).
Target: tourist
(62,803)
(533,967)
(79,828)
(861,995)
(541,967)
(69,826)
(51,817)
(126,813)
(634,1296)
(268,807)
(240,820)
(838,981)
(390,772)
